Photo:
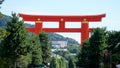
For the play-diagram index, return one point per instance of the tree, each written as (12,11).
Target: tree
(113,39)
(73,48)
(83,55)
(62,63)
(58,63)
(1,1)
(15,44)
(3,33)
(71,63)
(65,54)
(54,63)
(46,50)
(97,45)
(35,50)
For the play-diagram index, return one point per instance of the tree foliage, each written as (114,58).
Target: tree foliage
(62,63)
(97,45)
(71,63)
(3,33)
(15,44)
(73,48)
(83,55)
(35,50)
(93,50)
(58,63)
(54,63)
(46,50)
(64,54)
(113,39)
(98,49)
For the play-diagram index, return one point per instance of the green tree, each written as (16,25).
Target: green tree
(62,63)
(83,56)
(3,33)
(97,45)
(15,44)
(54,63)
(65,54)
(46,50)
(71,63)
(113,39)
(35,50)
(1,1)
(73,48)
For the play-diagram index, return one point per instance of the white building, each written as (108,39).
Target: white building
(59,44)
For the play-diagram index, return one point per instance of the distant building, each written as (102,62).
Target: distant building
(58,44)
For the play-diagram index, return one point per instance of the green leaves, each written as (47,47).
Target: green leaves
(71,63)
(97,44)
(35,50)
(15,44)
(54,63)
(45,44)
(93,49)
(58,63)
(3,33)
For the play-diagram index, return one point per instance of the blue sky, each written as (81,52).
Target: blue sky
(68,7)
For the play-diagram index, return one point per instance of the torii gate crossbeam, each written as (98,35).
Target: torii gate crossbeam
(85,19)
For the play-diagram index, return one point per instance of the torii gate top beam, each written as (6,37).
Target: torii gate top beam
(48,18)
(84,19)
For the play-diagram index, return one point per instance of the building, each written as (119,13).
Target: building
(58,44)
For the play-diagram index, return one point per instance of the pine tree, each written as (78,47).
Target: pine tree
(83,56)
(54,63)
(35,50)
(3,33)
(97,45)
(71,63)
(112,40)
(62,63)
(15,44)
(46,50)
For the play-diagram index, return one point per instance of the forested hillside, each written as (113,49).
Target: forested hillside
(4,20)
(54,36)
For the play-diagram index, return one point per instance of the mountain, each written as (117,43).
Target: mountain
(57,37)
(53,36)
(4,20)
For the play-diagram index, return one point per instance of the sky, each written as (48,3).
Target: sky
(68,7)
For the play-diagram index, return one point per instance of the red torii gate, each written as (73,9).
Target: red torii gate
(39,19)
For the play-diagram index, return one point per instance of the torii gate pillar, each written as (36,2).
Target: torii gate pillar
(84,30)
(38,26)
